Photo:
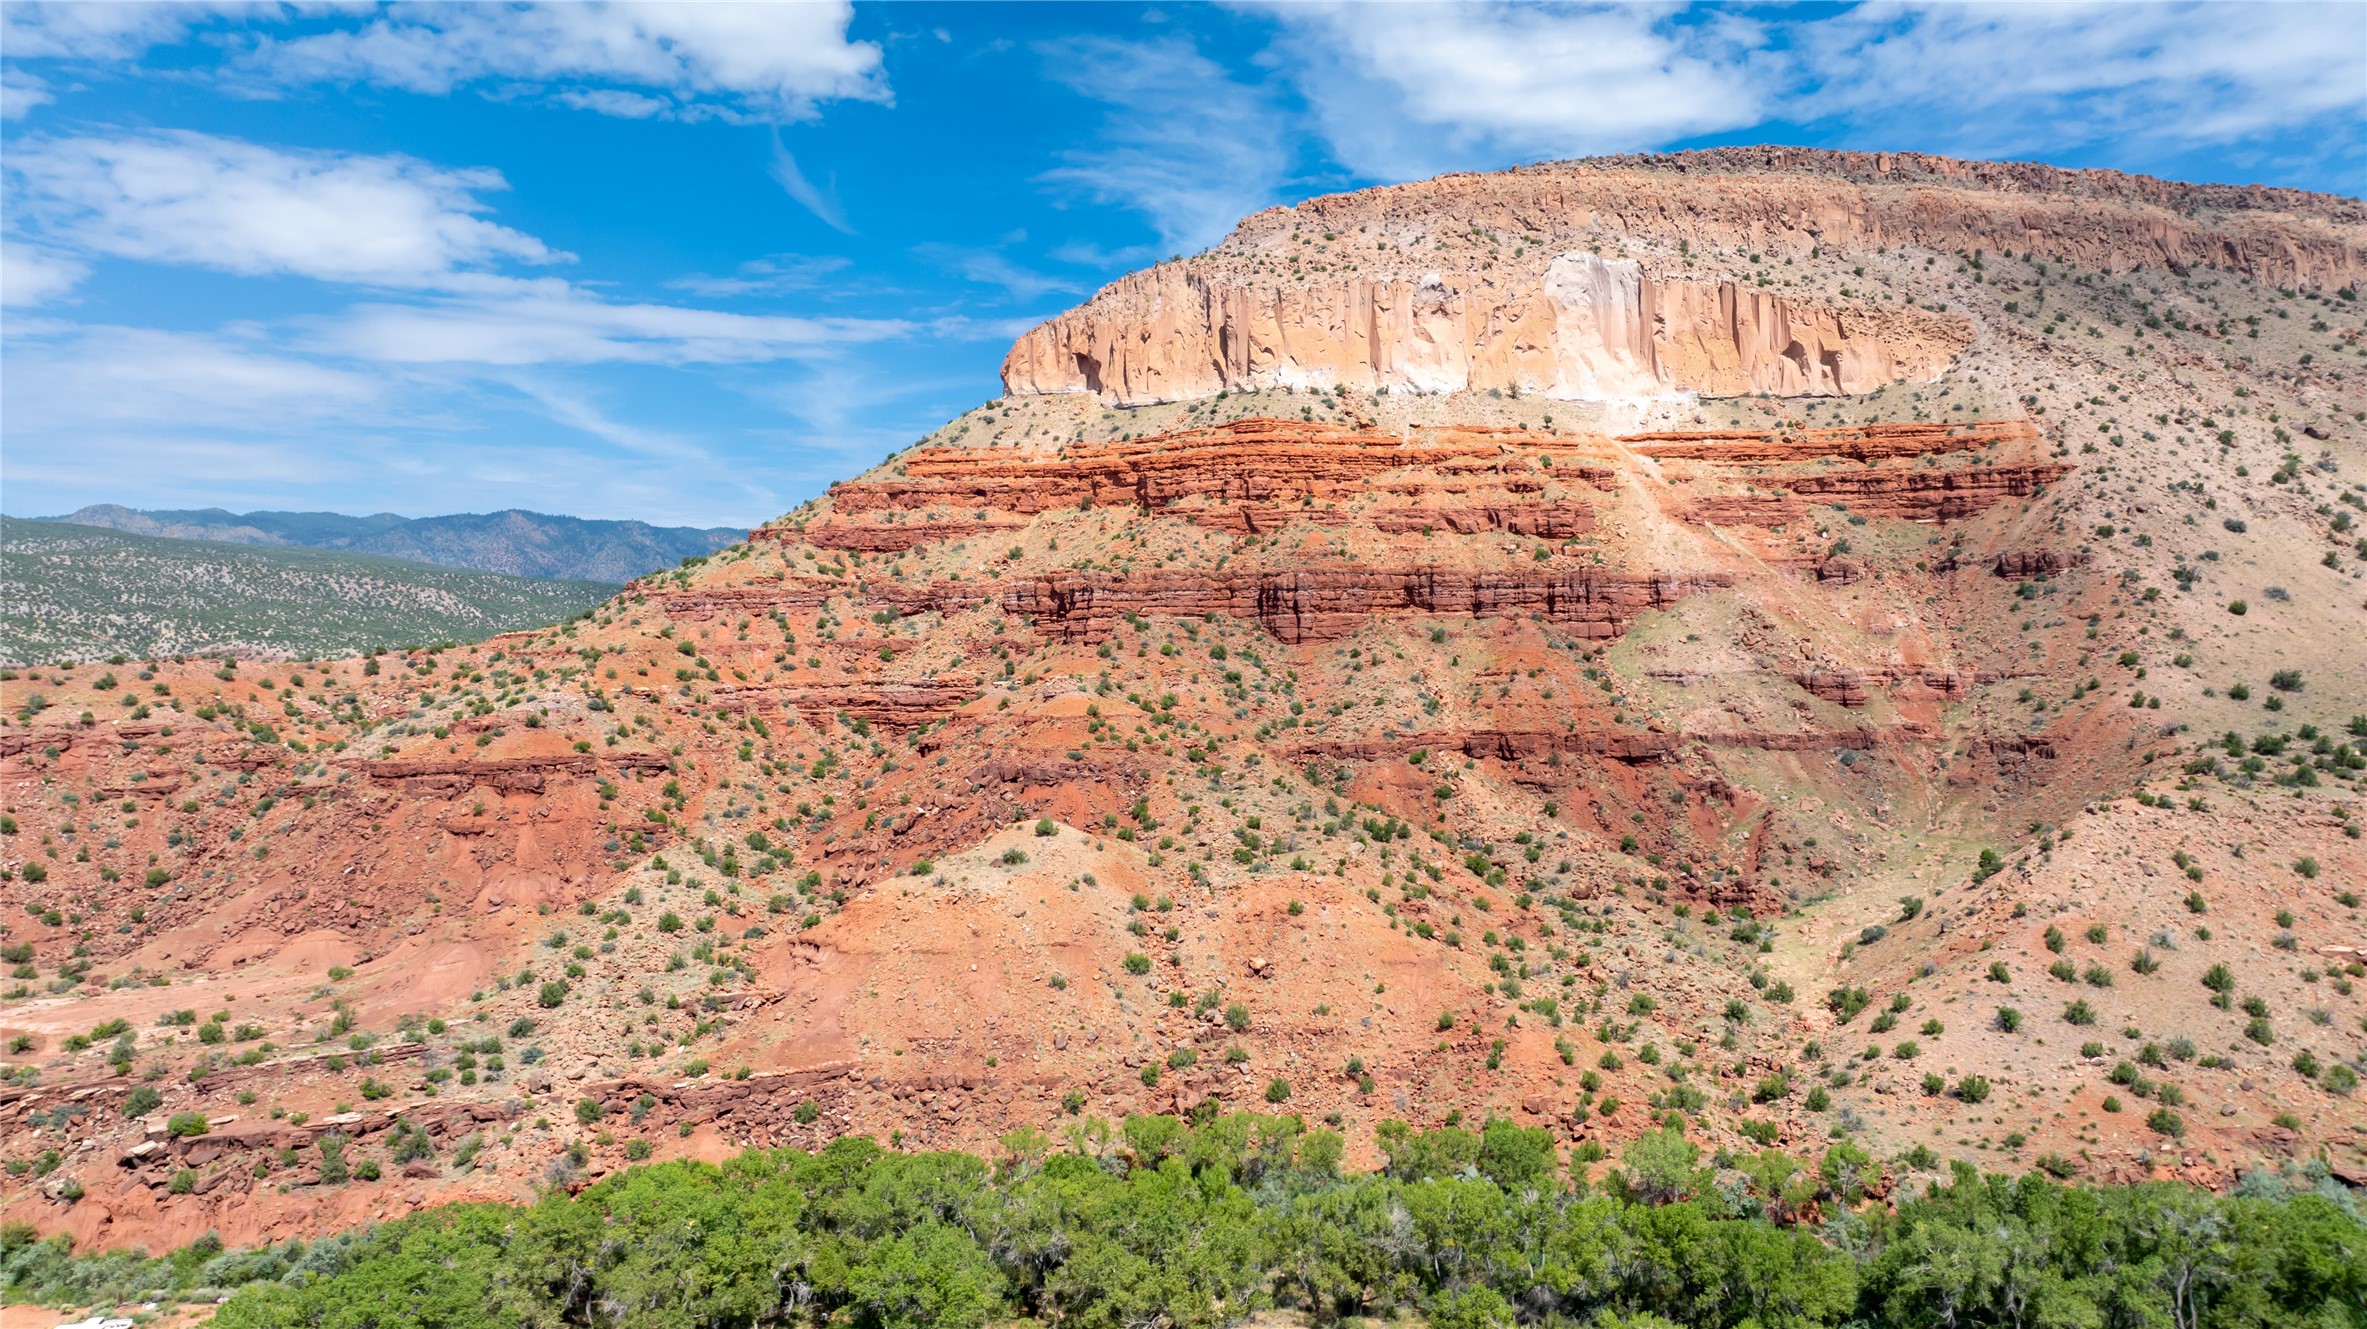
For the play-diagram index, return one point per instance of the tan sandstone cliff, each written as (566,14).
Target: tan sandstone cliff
(1477,283)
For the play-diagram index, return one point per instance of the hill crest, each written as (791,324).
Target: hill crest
(513,542)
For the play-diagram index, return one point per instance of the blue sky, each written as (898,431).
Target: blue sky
(689,263)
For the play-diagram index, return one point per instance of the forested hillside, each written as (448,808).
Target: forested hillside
(512,542)
(80,593)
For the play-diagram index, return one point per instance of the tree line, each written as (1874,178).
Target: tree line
(1163,1222)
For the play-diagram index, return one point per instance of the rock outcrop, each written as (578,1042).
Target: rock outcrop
(1583,329)
(1498,282)
(1321,605)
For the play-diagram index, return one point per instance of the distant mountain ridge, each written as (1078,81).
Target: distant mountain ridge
(512,542)
(70,592)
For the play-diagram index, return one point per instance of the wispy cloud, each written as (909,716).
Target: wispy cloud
(1086,254)
(20,92)
(822,203)
(31,276)
(1186,144)
(774,274)
(64,377)
(2057,75)
(1402,91)
(556,326)
(176,419)
(74,31)
(576,410)
(991,267)
(614,101)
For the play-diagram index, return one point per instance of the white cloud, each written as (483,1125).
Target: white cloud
(85,31)
(763,60)
(31,276)
(989,267)
(774,274)
(550,324)
(20,92)
(63,379)
(2058,74)
(240,207)
(1402,91)
(162,419)
(1086,254)
(1187,145)
(615,101)
(823,204)
(578,411)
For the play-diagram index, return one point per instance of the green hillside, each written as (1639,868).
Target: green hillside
(519,543)
(79,592)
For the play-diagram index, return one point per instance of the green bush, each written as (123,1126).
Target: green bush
(1195,1226)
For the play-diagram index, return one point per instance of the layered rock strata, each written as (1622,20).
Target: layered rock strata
(1584,329)
(1379,289)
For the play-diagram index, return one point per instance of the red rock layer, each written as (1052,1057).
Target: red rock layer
(1322,604)
(1910,495)
(1248,461)
(897,705)
(1921,495)
(1859,443)
(1256,476)
(1502,745)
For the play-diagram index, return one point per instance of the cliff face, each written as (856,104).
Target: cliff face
(1473,283)
(992,788)
(1586,329)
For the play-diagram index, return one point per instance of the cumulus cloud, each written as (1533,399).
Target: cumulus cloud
(771,61)
(241,207)
(1408,90)
(1186,144)
(391,224)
